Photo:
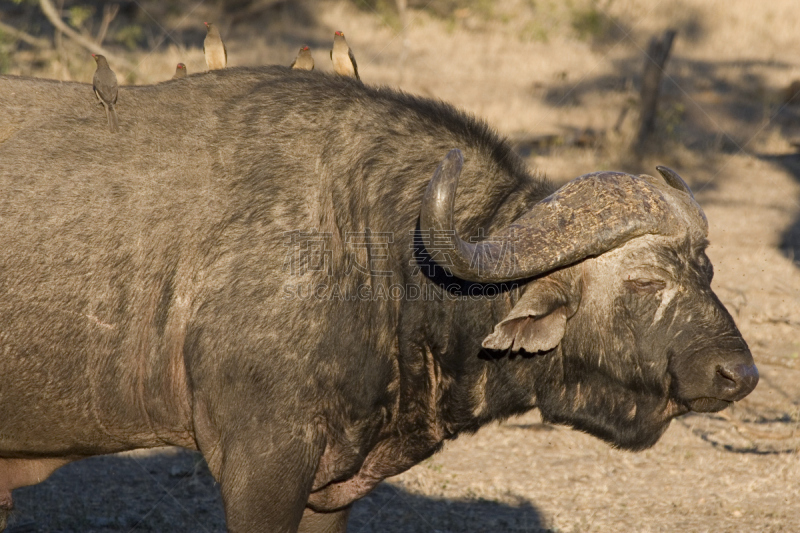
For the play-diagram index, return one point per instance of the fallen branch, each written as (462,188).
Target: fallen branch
(750,433)
(760,442)
(50,12)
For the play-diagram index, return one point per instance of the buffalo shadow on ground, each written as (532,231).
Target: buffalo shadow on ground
(174,491)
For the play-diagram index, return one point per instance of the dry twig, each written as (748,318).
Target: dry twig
(36,42)
(51,13)
(750,433)
(657,55)
(109,13)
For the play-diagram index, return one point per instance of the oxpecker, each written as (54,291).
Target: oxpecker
(214,48)
(303,61)
(180,71)
(344,62)
(105,88)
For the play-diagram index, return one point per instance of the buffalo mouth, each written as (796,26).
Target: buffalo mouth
(714,384)
(708,405)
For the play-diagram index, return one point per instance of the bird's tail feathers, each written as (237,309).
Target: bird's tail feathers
(113,123)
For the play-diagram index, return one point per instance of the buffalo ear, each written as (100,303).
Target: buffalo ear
(536,324)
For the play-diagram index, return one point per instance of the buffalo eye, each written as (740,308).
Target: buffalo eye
(644,285)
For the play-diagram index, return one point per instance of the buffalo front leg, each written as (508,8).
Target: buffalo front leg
(265,468)
(335,522)
(265,482)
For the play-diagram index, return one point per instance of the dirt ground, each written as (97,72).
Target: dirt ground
(556,77)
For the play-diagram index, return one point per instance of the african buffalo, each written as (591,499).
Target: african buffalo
(315,283)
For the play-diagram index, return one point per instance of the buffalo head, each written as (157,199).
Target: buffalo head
(616,306)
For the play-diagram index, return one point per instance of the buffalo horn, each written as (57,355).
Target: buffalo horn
(674,180)
(586,217)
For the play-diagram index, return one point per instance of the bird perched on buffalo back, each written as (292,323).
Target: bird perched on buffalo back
(214,48)
(180,71)
(303,61)
(106,90)
(344,62)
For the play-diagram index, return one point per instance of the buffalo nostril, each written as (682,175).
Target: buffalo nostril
(737,381)
(728,379)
